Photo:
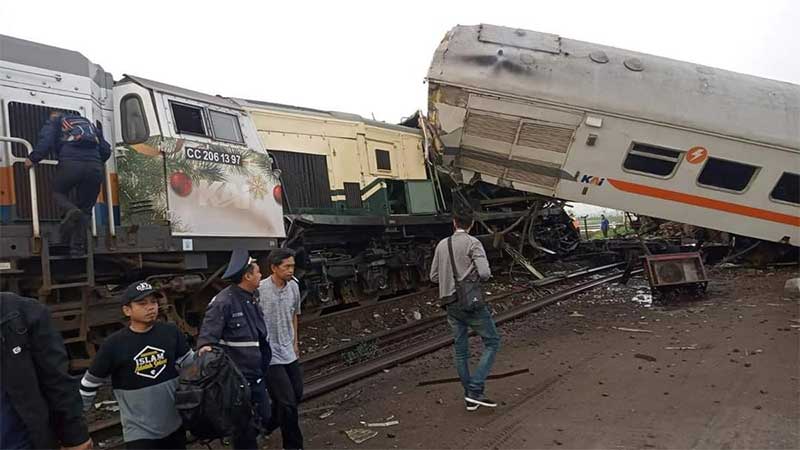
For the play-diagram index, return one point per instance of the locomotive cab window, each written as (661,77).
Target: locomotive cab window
(787,189)
(724,174)
(383,160)
(134,124)
(225,126)
(188,119)
(651,160)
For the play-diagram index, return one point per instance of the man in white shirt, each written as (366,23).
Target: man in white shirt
(280,302)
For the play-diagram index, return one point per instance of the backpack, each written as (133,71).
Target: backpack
(77,130)
(213,397)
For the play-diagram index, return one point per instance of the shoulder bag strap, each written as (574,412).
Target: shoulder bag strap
(452,259)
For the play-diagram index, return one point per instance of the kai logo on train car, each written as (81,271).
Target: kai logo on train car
(217,194)
(150,362)
(696,155)
(591,179)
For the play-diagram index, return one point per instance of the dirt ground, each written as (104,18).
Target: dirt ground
(593,386)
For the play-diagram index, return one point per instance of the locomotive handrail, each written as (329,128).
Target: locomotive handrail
(112,227)
(31,177)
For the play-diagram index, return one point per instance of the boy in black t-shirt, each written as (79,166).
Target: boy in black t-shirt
(142,361)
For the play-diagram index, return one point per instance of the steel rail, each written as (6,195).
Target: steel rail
(317,359)
(372,304)
(347,376)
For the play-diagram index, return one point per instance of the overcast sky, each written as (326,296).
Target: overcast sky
(371,57)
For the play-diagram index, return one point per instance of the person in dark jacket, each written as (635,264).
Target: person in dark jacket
(235,322)
(80,167)
(40,405)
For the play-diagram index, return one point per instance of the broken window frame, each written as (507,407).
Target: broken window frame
(203,119)
(746,187)
(781,200)
(639,149)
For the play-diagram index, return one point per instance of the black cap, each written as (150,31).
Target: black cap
(240,260)
(137,291)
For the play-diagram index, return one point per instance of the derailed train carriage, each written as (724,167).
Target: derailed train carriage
(191,178)
(594,124)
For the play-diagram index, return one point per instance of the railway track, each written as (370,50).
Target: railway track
(317,360)
(327,382)
(328,371)
(365,306)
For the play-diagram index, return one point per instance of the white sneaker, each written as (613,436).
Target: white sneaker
(480,400)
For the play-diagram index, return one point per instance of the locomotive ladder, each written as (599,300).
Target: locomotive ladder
(73,315)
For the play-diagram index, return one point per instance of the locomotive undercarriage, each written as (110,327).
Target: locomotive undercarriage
(343,265)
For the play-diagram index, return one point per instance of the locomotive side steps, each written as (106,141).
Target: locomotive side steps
(75,312)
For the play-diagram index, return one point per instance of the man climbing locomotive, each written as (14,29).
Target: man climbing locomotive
(81,151)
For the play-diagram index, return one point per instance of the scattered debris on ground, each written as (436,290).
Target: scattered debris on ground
(685,377)
(360,435)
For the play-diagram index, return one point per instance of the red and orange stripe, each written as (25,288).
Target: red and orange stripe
(705,202)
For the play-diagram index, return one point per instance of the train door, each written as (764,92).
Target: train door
(139,177)
(382,165)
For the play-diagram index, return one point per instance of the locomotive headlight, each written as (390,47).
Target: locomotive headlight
(277,193)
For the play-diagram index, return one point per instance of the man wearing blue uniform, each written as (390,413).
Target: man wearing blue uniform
(81,151)
(235,322)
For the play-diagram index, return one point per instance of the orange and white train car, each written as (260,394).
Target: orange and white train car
(600,125)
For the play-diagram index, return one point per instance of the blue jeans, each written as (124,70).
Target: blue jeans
(480,321)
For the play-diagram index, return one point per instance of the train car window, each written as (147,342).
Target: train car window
(188,119)
(652,160)
(787,189)
(225,126)
(134,124)
(383,159)
(725,174)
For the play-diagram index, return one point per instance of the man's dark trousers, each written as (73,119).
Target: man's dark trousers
(86,177)
(246,437)
(285,383)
